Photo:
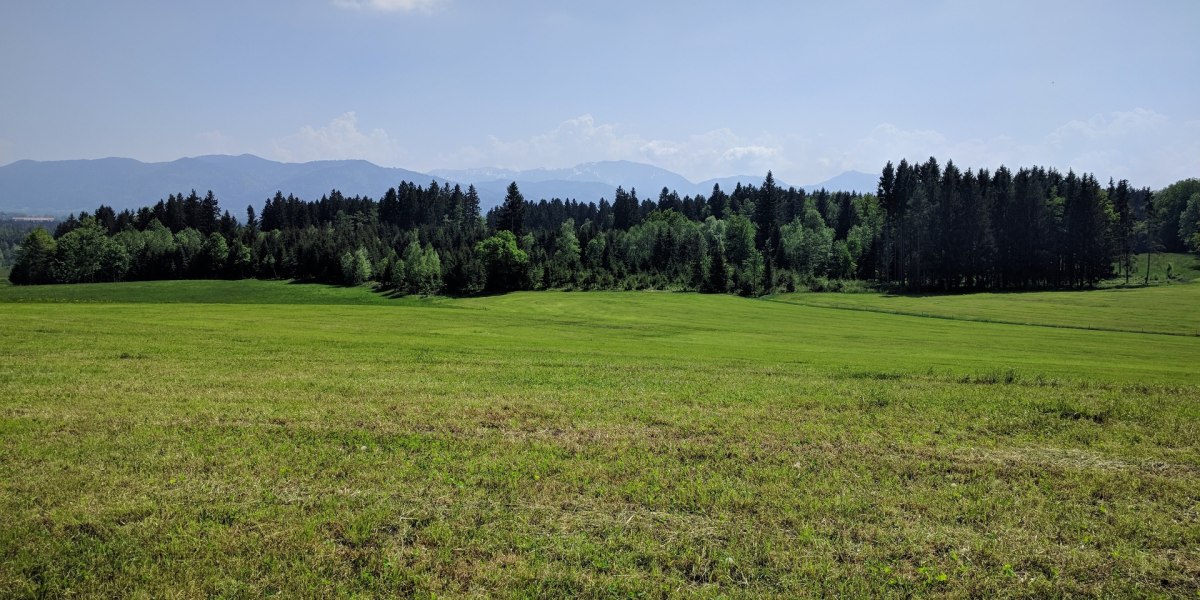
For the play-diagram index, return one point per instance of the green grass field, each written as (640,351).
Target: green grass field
(241,439)
(1165,309)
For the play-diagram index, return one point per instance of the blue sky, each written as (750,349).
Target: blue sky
(707,89)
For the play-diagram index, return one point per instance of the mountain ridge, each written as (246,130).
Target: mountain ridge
(69,186)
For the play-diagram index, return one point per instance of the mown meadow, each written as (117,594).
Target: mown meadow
(240,439)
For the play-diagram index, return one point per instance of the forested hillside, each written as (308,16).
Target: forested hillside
(928,227)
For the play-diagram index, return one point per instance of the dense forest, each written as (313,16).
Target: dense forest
(928,227)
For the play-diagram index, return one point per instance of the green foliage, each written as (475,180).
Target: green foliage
(1170,205)
(625,209)
(240,260)
(213,256)
(566,262)
(808,244)
(744,261)
(12,233)
(863,239)
(739,240)
(841,262)
(1189,223)
(511,216)
(597,250)
(35,259)
(188,246)
(86,254)
(717,279)
(504,263)
(157,252)
(930,228)
(356,267)
(665,246)
(422,270)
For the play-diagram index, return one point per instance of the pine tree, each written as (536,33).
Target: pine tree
(511,216)
(1123,228)
(471,207)
(765,217)
(717,202)
(625,209)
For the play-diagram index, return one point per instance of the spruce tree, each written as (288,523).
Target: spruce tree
(511,216)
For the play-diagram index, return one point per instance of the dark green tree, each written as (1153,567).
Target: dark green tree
(511,216)
(34,262)
(1123,227)
(625,210)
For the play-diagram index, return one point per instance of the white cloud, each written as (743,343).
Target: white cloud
(887,142)
(1148,148)
(392,6)
(582,139)
(340,139)
(738,153)
(1144,146)
(573,141)
(1136,122)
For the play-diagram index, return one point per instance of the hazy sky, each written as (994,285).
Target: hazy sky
(707,89)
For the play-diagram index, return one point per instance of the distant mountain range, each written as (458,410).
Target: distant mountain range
(73,185)
(59,187)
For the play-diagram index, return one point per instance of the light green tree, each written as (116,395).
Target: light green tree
(566,260)
(1189,223)
(86,254)
(503,261)
(356,267)
(808,244)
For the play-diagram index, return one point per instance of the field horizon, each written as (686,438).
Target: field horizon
(199,438)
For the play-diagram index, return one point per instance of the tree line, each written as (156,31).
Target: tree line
(928,227)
